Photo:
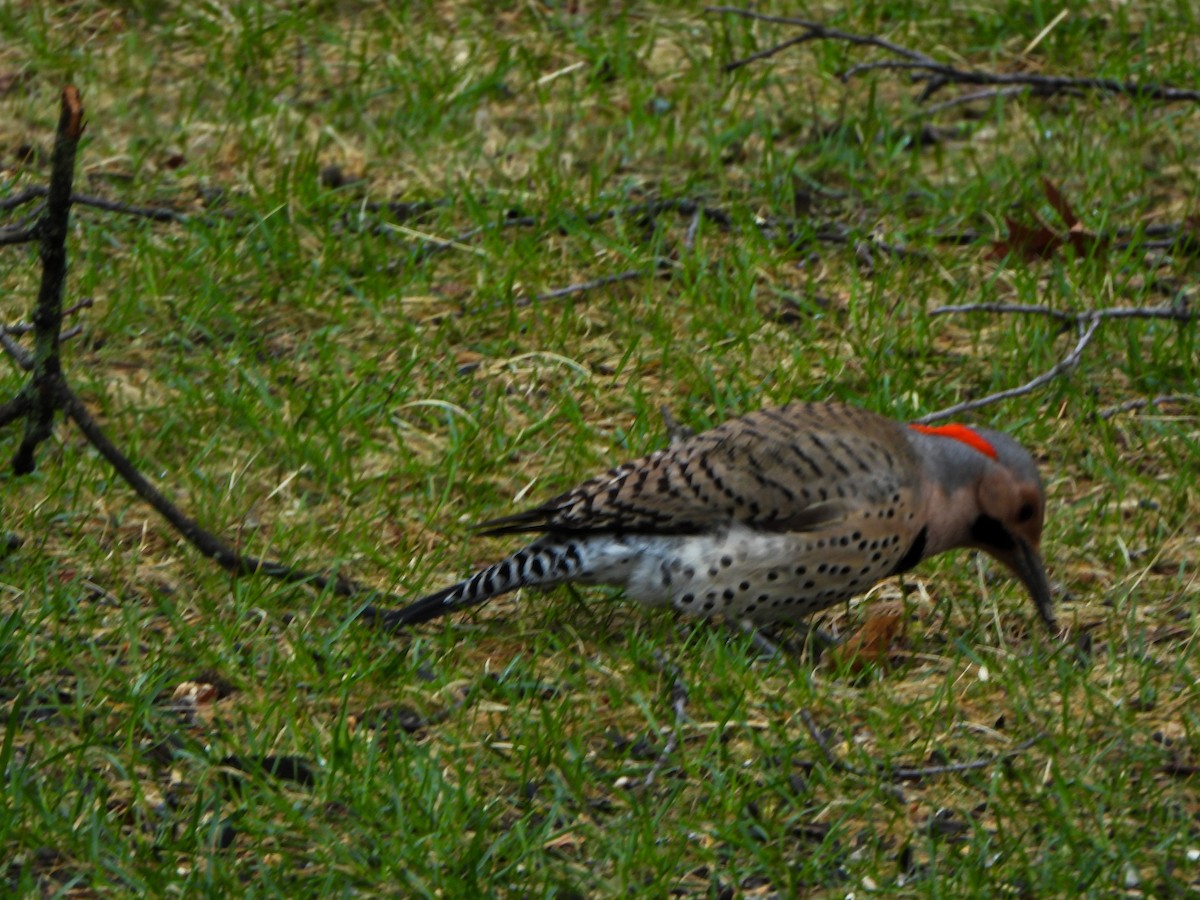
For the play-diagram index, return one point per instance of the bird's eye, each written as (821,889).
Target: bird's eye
(1025,513)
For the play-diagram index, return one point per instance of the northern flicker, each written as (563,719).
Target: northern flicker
(775,516)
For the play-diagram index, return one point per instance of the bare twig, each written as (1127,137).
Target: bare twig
(43,389)
(157,213)
(208,544)
(1142,402)
(11,410)
(17,236)
(22,197)
(25,327)
(964,99)
(816,30)
(1066,364)
(22,357)
(1178,313)
(591,285)
(1087,321)
(48,391)
(907,773)
(768,52)
(939,74)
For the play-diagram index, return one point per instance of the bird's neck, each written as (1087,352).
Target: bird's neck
(948,516)
(950,498)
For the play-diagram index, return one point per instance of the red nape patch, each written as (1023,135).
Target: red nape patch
(959,433)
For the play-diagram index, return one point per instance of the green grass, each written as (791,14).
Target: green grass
(310,382)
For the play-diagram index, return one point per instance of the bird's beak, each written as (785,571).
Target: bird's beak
(1028,566)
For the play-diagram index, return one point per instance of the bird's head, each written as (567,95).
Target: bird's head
(994,501)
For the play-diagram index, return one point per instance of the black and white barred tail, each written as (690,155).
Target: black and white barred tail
(543,563)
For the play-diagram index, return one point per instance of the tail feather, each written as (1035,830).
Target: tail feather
(542,564)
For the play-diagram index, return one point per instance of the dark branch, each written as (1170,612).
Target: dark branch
(1070,361)
(46,384)
(1143,402)
(1178,313)
(907,773)
(13,409)
(208,544)
(940,74)
(17,236)
(22,357)
(157,213)
(20,199)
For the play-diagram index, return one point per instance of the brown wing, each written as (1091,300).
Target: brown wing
(794,468)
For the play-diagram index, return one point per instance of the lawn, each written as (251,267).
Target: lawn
(432,263)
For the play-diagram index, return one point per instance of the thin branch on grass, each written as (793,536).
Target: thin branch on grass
(22,197)
(48,392)
(11,410)
(917,773)
(977,96)
(817,31)
(22,357)
(1143,402)
(1177,313)
(9,236)
(938,74)
(208,544)
(1070,361)
(157,213)
(25,327)
(591,285)
(1087,321)
(43,389)
(907,773)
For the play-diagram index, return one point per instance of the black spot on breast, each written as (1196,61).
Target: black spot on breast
(914,553)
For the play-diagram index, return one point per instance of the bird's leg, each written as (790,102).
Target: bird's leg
(767,648)
(814,639)
(679,699)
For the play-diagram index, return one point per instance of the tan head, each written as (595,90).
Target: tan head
(992,485)
(1012,508)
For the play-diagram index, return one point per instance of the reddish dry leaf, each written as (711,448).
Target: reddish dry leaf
(196,693)
(1038,242)
(871,644)
(1059,202)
